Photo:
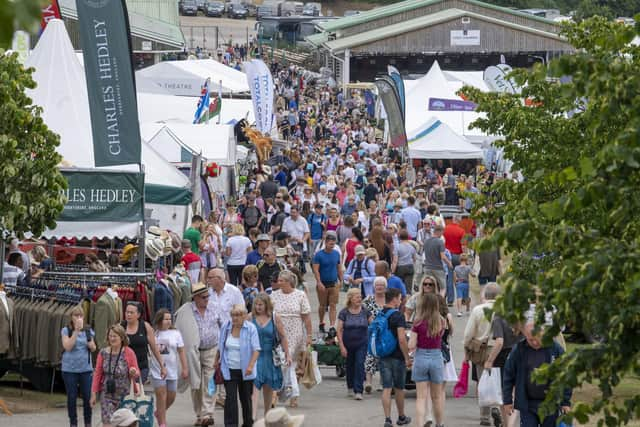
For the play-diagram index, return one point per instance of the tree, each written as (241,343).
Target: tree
(572,224)
(32,185)
(18,15)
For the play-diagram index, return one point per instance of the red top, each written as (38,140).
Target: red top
(424,340)
(453,235)
(98,376)
(189,258)
(350,247)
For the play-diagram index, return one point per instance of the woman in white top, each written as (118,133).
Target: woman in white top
(209,248)
(171,348)
(237,248)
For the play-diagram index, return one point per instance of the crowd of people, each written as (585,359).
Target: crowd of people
(345,213)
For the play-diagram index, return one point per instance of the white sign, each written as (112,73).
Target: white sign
(495,76)
(21,44)
(465,37)
(147,45)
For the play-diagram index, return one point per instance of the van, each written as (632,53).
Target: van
(291,8)
(268,8)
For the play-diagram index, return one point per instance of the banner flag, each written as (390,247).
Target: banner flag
(389,97)
(106,48)
(203,104)
(262,90)
(102,196)
(495,76)
(51,11)
(397,80)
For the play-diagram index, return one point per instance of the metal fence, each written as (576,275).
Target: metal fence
(209,38)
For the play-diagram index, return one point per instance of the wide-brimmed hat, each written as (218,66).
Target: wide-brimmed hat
(280,417)
(155,230)
(123,417)
(176,242)
(154,248)
(127,252)
(198,289)
(360,250)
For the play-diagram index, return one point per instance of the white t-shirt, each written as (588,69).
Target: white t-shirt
(296,228)
(349,172)
(168,343)
(239,246)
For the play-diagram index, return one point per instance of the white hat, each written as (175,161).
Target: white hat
(123,417)
(154,248)
(279,417)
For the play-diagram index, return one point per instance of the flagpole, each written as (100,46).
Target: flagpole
(220,102)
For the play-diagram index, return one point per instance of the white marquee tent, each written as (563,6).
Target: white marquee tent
(185,78)
(436,140)
(61,92)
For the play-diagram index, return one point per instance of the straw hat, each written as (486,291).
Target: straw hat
(155,230)
(279,417)
(176,242)
(127,252)
(198,288)
(154,248)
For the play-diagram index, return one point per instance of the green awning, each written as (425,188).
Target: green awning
(165,195)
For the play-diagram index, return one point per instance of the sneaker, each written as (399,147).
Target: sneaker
(350,393)
(321,328)
(367,388)
(497,417)
(388,422)
(485,422)
(428,423)
(332,332)
(459,314)
(358,396)
(403,420)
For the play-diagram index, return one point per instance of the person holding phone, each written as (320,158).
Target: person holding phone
(78,343)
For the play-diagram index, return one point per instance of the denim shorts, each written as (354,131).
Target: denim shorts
(171,385)
(393,372)
(462,290)
(428,365)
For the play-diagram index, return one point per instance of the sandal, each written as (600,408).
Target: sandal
(208,422)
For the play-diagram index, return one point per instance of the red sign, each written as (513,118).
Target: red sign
(50,12)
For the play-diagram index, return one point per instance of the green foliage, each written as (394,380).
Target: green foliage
(572,225)
(18,15)
(31,182)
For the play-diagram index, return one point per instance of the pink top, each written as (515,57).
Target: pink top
(333,227)
(98,376)
(424,340)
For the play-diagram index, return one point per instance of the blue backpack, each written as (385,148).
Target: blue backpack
(382,341)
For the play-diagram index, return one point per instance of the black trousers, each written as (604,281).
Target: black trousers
(234,387)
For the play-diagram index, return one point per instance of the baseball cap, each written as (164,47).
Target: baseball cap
(360,250)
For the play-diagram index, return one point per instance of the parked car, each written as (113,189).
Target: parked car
(291,8)
(200,4)
(238,11)
(189,8)
(214,8)
(311,9)
(251,8)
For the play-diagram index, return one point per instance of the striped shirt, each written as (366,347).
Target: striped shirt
(208,326)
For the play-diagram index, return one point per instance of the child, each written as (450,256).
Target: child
(461,279)
(250,286)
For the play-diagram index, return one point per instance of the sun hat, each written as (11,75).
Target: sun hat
(155,230)
(153,248)
(263,238)
(198,288)
(123,417)
(280,417)
(127,252)
(176,242)
(360,250)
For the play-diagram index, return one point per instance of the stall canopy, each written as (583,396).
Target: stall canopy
(185,78)
(181,109)
(436,140)
(178,142)
(61,92)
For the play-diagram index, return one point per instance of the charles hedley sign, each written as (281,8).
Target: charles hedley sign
(104,36)
(103,196)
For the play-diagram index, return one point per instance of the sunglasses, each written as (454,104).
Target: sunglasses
(428,284)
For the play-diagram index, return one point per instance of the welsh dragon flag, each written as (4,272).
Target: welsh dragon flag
(207,108)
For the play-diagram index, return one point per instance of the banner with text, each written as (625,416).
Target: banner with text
(49,12)
(102,196)
(262,89)
(441,104)
(104,36)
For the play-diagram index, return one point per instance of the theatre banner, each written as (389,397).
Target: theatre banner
(105,40)
(102,196)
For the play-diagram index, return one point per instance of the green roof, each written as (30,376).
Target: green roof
(317,39)
(422,22)
(408,5)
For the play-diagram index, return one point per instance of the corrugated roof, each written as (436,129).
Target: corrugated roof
(317,39)
(407,5)
(422,22)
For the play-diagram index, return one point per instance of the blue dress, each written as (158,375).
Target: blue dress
(267,372)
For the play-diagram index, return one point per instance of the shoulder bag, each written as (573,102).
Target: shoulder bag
(278,354)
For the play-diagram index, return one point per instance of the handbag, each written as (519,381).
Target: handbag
(217,376)
(477,351)
(490,388)
(141,405)
(311,372)
(277,352)
(462,386)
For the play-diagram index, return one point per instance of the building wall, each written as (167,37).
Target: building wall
(448,4)
(437,38)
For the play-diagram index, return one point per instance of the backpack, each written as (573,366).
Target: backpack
(251,215)
(382,342)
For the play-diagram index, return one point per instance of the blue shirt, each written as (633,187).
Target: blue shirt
(249,342)
(395,282)
(281,177)
(254,257)
(315,225)
(348,209)
(328,263)
(77,360)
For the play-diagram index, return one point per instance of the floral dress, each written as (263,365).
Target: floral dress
(110,402)
(290,307)
(371,362)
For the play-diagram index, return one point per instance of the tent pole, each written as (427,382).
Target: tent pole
(141,239)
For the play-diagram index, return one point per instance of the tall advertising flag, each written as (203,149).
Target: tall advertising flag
(106,48)
(49,12)
(262,89)
(397,80)
(387,92)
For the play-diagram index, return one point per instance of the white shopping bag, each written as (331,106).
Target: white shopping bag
(316,369)
(490,388)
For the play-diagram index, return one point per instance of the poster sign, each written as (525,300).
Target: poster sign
(262,90)
(389,97)
(104,36)
(495,76)
(103,196)
(440,104)
(465,37)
